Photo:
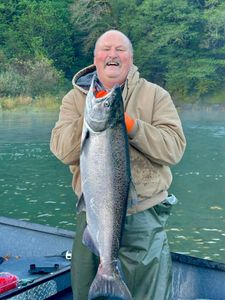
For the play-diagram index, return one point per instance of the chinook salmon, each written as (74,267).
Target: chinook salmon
(107,188)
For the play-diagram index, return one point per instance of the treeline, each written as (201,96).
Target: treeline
(179,44)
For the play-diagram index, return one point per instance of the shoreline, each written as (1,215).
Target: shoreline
(199,107)
(54,107)
(52,103)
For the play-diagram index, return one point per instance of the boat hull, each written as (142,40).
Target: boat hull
(27,243)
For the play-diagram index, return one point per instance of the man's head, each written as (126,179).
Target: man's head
(113,57)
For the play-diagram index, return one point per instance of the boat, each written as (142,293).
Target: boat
(39,256)
(197,278)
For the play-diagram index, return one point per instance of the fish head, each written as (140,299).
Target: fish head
(104,112)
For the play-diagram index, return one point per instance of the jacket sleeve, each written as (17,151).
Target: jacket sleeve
(160,138)
(66,135)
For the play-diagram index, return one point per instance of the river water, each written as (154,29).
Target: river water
(35,186)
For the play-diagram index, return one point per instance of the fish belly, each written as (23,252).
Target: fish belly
(105,182)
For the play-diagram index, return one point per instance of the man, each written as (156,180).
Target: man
(156,141)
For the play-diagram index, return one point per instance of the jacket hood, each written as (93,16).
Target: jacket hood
(82,79)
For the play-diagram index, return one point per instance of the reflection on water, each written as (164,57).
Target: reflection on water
(197,224)
(35,186)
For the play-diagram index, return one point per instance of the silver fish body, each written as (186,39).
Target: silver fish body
(106,185)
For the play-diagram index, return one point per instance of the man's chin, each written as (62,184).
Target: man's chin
(112,73)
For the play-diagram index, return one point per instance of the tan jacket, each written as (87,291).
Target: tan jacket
(156,142)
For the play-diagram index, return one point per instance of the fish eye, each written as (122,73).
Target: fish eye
(106,104)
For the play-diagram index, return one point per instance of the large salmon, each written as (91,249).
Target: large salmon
(107,187)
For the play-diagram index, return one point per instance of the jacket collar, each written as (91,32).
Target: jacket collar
(82,79)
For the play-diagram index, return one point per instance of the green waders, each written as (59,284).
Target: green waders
(144,255)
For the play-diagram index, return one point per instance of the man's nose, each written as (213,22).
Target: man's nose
(113,53)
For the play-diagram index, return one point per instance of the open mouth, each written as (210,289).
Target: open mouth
(112,64)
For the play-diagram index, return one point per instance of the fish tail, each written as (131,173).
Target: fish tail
(109,286)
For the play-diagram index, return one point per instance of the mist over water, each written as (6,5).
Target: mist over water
(36,187)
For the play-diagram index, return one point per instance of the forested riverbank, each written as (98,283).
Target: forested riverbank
(177,44)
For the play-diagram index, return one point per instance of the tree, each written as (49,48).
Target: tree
(39,29)
(179,44)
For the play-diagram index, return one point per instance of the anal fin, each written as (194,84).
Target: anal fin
(132,196)
(89,242)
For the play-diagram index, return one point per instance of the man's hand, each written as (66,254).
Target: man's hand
(129,122)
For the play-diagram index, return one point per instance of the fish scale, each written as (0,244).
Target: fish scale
(106,188)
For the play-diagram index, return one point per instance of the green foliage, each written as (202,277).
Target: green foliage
(30,78)
(38,28)
(11,84)
(90,19)
(170,47)
(179,44)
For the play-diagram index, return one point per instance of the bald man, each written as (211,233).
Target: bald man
(156,142)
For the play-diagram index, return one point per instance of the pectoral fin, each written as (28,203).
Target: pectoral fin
(81,204)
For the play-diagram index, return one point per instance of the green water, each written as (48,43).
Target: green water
(35,186)
(197,225)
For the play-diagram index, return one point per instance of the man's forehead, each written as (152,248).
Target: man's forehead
(113,42)
(114,38)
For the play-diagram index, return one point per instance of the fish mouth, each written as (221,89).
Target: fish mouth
(103,98)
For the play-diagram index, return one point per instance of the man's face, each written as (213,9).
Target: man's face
(113,59)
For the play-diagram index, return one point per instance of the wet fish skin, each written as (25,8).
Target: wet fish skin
(106,182)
